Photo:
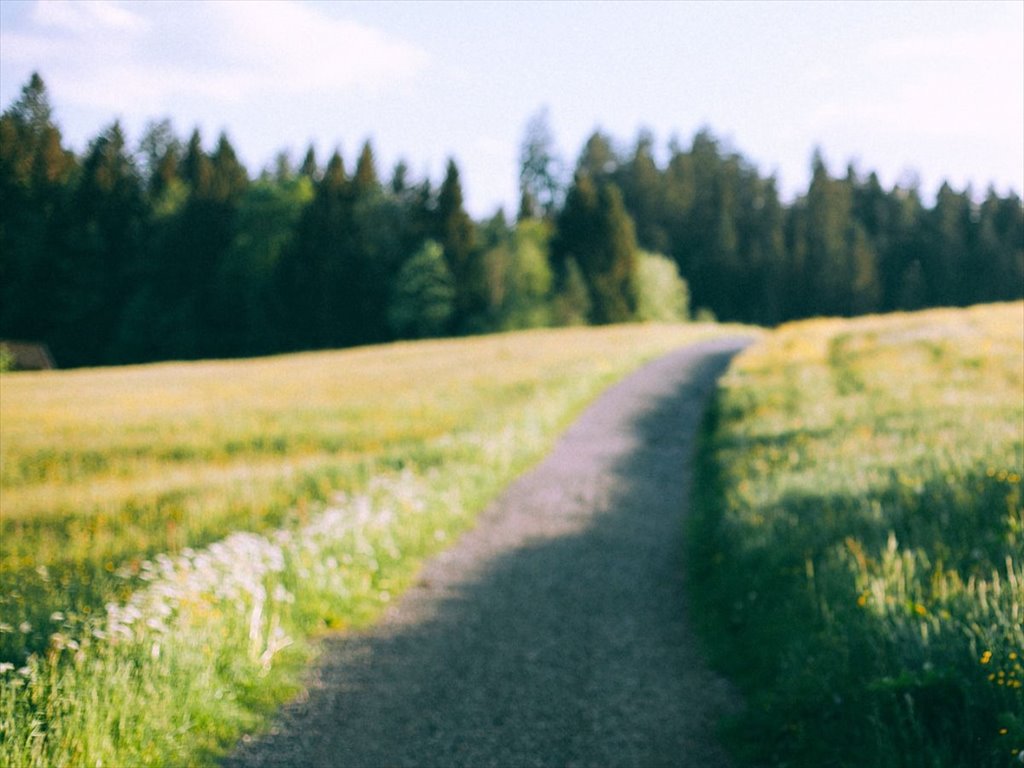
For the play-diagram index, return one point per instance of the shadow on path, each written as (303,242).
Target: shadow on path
(553,634)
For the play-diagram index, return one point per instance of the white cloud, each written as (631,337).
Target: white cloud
(148,57)
(294,47)
(92,15)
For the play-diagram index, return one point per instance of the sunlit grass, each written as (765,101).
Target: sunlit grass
(120,486)
(860,547)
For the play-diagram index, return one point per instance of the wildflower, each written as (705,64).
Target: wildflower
(56,616)
(282,595)
(986,657)
(24,627)
(5,667)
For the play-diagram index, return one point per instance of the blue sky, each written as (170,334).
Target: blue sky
(934,88)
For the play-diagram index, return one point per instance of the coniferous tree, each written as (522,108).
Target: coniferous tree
(598,159)
(539,169)
(642,189)
(1000,242)
(423,300)
(253,317)
(948,234)
(901,270)
(826,215)
(209,228)
(160,152)
(309,167)
(611,271)
(378,248)
(455,232)
(106,224)
(313,269)
(35,170)
(596,233)
(182,256)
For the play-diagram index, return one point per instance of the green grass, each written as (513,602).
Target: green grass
(858,551)
(172,535)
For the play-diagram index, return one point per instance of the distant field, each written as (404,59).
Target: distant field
(859,549)
(139,624)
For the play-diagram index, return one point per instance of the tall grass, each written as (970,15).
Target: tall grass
(859,547)
(172,535)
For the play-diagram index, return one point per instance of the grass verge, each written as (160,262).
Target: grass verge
(858,549)
(174,535)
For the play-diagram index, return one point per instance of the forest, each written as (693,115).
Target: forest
(172,250)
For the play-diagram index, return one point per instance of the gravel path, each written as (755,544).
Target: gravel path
(554,633)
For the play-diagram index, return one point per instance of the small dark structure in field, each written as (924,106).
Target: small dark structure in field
(28,356)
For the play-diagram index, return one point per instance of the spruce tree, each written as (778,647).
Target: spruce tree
(106,221)
(35,170)
(423,300)
(641,183)
(596,233)
(455,232)
(313,273)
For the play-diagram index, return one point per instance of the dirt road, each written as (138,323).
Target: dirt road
(553,634)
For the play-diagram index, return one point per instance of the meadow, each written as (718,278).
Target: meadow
(858,549)
(174,536)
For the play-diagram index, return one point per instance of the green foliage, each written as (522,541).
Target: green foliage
(518,279)
(857,548)
(572,304)
(131,255)
(423,301)
(6,359)
(456,234)
(662,295)
(596,232)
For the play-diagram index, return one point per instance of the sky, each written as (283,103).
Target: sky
(932,89)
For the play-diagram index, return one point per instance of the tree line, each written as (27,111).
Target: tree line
(172,250)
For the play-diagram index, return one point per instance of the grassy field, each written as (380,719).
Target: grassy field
(859,547)
(171,535)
